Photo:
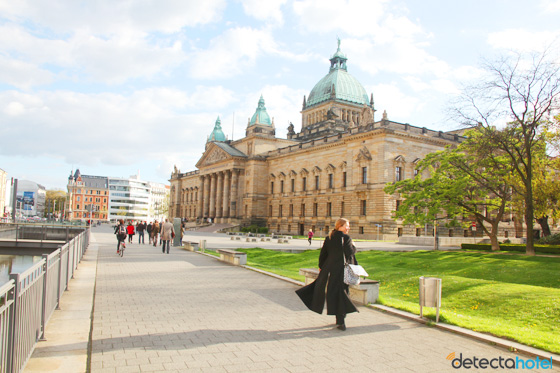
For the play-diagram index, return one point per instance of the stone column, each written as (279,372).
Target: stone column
(234,189)
(206,196)
(200,201)
(227,183)
(212,211)
(219,194)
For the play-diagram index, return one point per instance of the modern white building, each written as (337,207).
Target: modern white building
(159,201)
(30,200)
(129,199)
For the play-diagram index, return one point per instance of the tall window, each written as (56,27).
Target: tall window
(270,210)
(304,184)
(398,173)
(329,209)
(317,182)
(291,210)
(415,172)
(302,209)
(398,204)
(344,179)
(272,187)
(331,181)
(315,209)
(364,207)
(280,211)
(341,208)
(293,185)
(281,186)
(364,175)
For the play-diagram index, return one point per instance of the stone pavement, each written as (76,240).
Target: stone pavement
(187,312)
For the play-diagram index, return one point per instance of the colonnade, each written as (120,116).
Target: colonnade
(346,115)
(219,194)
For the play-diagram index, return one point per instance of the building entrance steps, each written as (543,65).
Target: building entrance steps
(191,312)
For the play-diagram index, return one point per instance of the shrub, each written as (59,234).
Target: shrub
(553,239)
(263,230)
(539,249)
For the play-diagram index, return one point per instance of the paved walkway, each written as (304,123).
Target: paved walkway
(184,311)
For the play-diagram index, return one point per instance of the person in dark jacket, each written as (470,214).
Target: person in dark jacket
(337,248)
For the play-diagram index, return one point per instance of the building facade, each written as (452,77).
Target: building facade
(101,198)
(336,166)
(88,197)
(30,199)
(3,197)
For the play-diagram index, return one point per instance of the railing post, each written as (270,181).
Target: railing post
(13,322)
(59,278)
(44,300)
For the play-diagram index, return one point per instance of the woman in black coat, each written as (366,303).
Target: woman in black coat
(331,276)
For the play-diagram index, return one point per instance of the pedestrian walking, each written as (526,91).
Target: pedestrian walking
(130,231)
(149,230)
(310,236)
(337,248)
(167,233)
(155,232)
(140,227)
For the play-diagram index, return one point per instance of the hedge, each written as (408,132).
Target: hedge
(543,249)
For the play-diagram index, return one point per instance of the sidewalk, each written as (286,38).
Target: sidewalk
(184,311)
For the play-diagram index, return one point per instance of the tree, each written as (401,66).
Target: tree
(522,91)
(471,181)
(54,202)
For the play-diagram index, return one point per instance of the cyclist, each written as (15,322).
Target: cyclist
(120,231)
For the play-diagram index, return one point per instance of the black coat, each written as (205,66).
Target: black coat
(331,276)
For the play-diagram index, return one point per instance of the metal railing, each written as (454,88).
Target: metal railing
(29,299)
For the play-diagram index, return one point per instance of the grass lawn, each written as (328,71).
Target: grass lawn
(511,296)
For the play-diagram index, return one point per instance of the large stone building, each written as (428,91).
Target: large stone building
(336,166)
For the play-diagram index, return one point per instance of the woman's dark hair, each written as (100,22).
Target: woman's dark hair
(339,223)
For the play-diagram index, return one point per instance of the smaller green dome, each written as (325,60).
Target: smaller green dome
(217,134)
(260,116)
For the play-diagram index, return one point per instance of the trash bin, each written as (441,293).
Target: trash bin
(430,294)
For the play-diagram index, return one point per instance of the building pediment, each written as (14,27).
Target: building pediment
(218,152)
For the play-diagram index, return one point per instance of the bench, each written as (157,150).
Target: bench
(251,239)
(267,239)
(366,292)
(283,240)
(233,238)
(189,245)
(232,256)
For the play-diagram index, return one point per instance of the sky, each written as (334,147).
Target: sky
(119,88)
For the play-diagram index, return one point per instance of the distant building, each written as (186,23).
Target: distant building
(30,199)
(112,198)
(88,197)
(3,181)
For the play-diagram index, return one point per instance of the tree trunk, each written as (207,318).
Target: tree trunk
(494,237)
(543,222)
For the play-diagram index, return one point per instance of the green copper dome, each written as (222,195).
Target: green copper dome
(338,84)
(260,116)
(217,134)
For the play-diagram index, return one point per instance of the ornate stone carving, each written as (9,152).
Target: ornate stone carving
(366,116)
(215,156)
(364,155)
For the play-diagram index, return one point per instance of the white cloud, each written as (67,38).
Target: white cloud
(264,10)
(22,74)
(399,105)
(231,53)
(550,6)
(523,40)
(107,17)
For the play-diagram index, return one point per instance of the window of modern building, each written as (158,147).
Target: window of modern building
(364,207)
(344,179)
(364,175)
(316,182)
(331,181)
(398,173)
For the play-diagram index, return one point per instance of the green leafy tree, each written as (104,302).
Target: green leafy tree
(470,181)
(521,90)
(54,202)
